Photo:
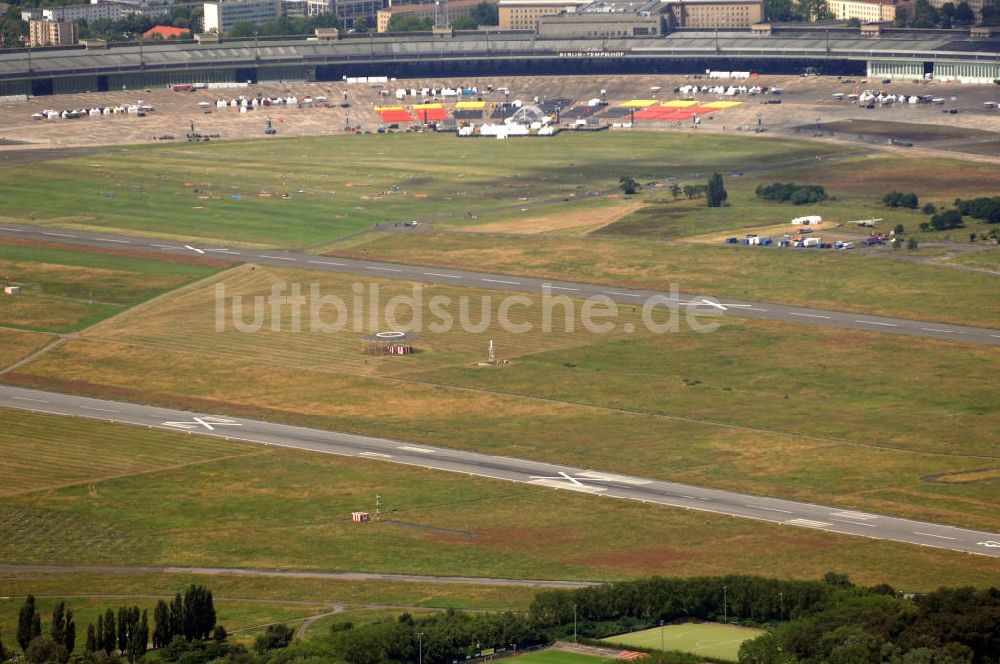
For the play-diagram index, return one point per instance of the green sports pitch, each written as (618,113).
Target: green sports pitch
(549,656)
(708,639)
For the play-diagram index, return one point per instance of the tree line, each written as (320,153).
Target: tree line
(824,621)
(796,194)
(121,634)
(948,626)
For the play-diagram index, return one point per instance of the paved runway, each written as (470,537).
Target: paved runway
(703,303)
(547,475)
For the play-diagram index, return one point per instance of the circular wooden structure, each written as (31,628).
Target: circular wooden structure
(389,343)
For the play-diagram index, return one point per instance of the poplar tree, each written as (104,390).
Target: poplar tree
(29,624)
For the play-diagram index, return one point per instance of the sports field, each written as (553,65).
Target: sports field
(550,656)
(708,639)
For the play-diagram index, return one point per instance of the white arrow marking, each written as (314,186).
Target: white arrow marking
(411,448)
(562,476)
(989,543)
(208,422)
(712,304)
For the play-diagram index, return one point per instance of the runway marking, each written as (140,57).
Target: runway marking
(990,544)
(711,304)
(384,269)
(755,309)
(875,322)
(12,230)
(196,249)
(59,234)
(796,313)
(769,509)
(411,448)
(438,274)
(326,263)
(935,329)
(107,239)
(277,258)
(915,532)
(847,514)
(501,281)
(857,523)
(995,336)
(27,399)
(563,288)
(208,422)
(165,246)
(808,523)
(607,292)
(611,477)
(103,410)
(375,454)
(560,484)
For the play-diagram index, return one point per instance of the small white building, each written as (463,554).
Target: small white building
(808,220)
(12,290)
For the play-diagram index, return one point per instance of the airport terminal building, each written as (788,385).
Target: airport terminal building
(968,56)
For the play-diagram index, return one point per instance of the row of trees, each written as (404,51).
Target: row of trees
(191,616)
(440,639)
(897,199)
(288,25)
(482,14)
(922,15)
(949,626)
(127,636)
(57,645)
(797,194)
(985,208)
(648,601)
(186,618)
(784,11)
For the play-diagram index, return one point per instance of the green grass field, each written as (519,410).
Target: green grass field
(282,509)
(851,198)
(835,280)
(550,656)
(18,344)
(340,185)
(354,595)
(785,410)
(64,290)
(708,639)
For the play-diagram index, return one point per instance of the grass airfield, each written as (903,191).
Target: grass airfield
(861,420)
(236,192)
(243,506)
(741,408)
